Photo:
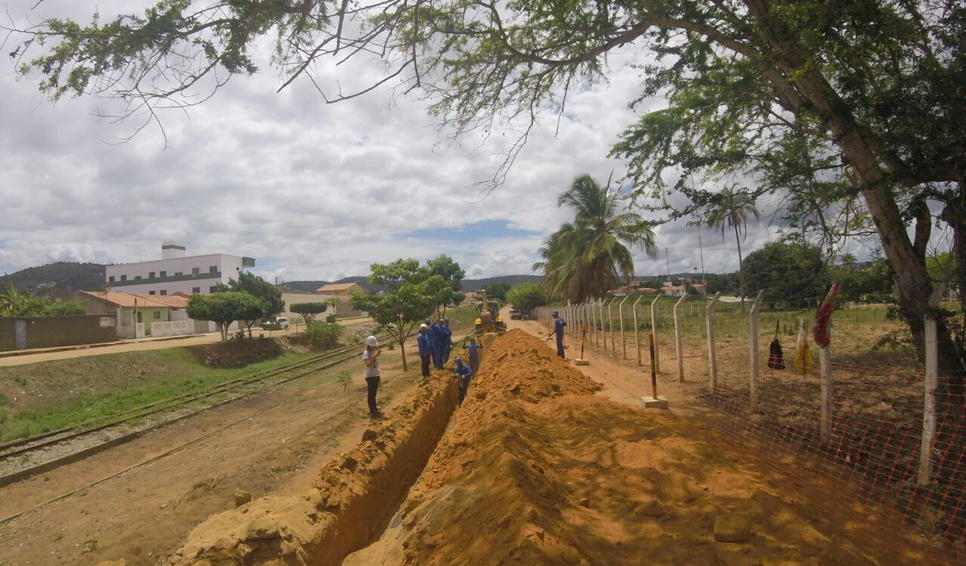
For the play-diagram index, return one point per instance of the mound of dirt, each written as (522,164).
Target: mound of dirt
(534,468)
(236,353)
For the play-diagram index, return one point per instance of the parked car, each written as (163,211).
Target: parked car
(515,313)
(275,323)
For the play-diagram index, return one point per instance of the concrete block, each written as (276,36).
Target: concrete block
(649,402)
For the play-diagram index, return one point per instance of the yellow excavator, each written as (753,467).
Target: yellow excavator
(489,319)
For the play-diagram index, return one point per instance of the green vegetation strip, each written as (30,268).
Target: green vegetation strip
(68,393)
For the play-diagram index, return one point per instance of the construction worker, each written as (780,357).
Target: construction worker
(473,351)
(425,349)
(436,340)
(447,339)
(558,329)
(463,373)
(371,359)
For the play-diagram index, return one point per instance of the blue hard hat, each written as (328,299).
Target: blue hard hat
(458,360)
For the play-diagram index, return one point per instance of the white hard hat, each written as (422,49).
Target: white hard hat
(371,341)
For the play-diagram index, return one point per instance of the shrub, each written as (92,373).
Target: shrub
(323,335)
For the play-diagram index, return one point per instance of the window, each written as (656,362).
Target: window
(152,292)
(124,278)
(157,315)
(178,273)
(213,288)
(136,277)
(196,289)
(164,274)
(151,275)
(195,271)
(164,291)
(110,279)
(212,269)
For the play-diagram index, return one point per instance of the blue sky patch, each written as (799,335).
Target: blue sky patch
(485,230)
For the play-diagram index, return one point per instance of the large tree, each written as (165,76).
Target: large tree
(223,308)
(526,297)
(270,297)
(412,293)
(309,310)
(590,256)
(731,208)
(871,91)
(452,275)
(793,275)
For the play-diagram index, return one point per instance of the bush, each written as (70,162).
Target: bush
(323,335)
(240,353)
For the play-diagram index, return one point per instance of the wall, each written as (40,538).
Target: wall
(48,332)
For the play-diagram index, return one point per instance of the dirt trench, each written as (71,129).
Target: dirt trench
(536,468)
(350,500)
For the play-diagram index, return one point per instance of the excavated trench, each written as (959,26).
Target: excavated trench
(534,468)
(352,499)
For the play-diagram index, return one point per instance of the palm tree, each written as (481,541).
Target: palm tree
(730,209)
(589,256)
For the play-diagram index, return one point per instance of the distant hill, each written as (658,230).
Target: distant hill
(59,280)
(468,284)
(511,280)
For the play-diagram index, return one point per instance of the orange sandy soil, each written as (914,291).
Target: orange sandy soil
(543,464)
(537,467)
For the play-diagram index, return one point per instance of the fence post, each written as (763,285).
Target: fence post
(825,363)
(578,317)
(931,382)
(620,316)
(571,323)
(753,324)
(593,318)
(637,331)
(610,326)
(712,358)
(678,340)
(657,351)
(602,338)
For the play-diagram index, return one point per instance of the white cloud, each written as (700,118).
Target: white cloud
(311,190)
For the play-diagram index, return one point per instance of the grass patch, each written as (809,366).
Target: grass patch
(62,393)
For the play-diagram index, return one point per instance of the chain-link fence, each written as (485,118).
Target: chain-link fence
(864,410)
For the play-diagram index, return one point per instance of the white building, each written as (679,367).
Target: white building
(175,272)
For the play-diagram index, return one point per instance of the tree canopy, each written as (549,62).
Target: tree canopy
(452,275)
(309,311)
(413,292)
(16,303)
(526,296)
(269,296)
(793,275)
(589,256)
(845,111)
(223,308)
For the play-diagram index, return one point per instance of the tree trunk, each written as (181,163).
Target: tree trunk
(912,279)
(402,352)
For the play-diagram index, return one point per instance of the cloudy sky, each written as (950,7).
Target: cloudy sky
(310,190)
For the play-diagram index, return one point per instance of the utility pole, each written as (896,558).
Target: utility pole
(704,279)
(668,262)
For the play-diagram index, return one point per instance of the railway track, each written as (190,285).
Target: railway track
(26,457)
